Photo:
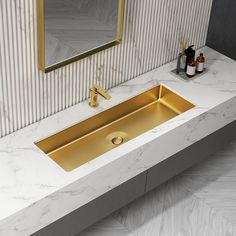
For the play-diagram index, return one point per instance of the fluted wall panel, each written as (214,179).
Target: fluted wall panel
(152,29)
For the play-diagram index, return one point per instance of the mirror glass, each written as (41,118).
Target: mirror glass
(69,30)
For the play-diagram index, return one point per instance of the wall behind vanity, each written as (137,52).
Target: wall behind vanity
(222,27)
(151,32)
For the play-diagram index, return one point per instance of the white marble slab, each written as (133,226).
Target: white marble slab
(35,192)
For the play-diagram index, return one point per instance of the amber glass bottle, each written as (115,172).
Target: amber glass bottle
(191,69)
(200,63)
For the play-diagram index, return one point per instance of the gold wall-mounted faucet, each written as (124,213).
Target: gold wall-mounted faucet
(94,91)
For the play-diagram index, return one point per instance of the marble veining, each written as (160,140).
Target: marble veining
(34,189)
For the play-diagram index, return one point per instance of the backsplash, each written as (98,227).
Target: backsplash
(152,29)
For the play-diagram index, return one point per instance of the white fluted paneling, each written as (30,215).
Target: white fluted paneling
(152,29)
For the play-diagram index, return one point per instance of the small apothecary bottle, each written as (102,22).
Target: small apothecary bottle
(191,69)
(200,63)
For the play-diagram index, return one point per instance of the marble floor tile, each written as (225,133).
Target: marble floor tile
(171,210)
(214,182)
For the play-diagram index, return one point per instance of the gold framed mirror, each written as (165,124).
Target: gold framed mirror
(69,30)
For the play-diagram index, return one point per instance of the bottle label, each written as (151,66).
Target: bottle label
(200,66)
(191,70)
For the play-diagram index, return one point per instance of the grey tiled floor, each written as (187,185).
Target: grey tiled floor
(199,202)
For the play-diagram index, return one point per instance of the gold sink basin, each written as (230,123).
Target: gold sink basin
(85,141)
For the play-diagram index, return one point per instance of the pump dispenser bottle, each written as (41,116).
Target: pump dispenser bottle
(190,53)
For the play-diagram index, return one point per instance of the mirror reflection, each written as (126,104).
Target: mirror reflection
(74,29)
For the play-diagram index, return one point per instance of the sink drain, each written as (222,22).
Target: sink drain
(117,140)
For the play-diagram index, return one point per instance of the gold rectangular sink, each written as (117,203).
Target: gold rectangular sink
(87,140)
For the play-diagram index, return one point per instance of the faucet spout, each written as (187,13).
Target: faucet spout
(94,91)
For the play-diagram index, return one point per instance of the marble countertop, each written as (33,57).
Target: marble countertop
(35,191)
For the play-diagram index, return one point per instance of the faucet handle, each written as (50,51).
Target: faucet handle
(101,91)
(97,87)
